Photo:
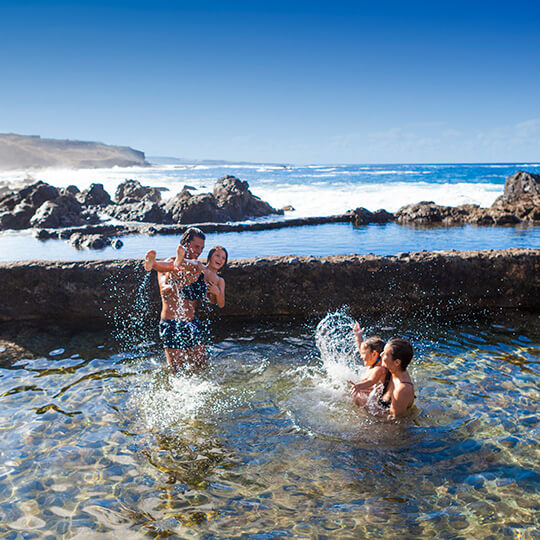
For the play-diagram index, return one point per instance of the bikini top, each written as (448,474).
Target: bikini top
(194,290)
(385,404)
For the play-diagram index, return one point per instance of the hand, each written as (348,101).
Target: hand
(353,389)
(180,256)
(213,288)
(358,331)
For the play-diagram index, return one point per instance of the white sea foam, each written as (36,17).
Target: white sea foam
(318,199)
(326,190)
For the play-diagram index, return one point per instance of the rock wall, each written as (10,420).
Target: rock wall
(422,283)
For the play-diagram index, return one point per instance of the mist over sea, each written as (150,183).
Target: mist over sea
(312,190)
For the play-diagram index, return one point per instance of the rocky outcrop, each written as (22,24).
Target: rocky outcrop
(41,205)
(131,191)
(95,195)
(233,196)
(231,200)
(362,216)
(144,212)
(409,284)
(520,202)
(519,185)
(23,152)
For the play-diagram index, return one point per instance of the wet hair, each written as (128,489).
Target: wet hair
(374,343)
(213,250)
(190,234)
(402,350)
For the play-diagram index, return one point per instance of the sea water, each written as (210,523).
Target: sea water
(312,190)
(100,440)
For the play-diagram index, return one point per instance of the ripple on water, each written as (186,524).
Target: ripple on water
(265,441)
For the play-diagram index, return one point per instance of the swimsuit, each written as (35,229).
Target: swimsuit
(383,402)
(194,290)
(182,335)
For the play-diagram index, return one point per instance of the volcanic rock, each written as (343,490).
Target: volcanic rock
(91,241)
(362,216)
(131,191)
(519,185)
(64,211)
(95,195)
(230,201)
(234,196)
(144,211)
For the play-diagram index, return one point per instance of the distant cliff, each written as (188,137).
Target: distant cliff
(33,152)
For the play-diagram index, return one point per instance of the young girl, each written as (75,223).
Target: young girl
(216,261)
(370,351)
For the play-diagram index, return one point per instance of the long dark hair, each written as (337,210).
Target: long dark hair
(213,250)
(402,350)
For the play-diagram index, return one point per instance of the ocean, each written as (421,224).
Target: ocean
(312,190)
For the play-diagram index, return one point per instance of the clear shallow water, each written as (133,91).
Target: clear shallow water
(316,240)
(98,439)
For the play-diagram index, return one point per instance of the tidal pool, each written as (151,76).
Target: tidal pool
(98,440)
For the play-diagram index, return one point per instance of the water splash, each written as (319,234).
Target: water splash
(132,326)
(164,400)
(334,340)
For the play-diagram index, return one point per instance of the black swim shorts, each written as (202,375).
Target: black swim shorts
(182,335)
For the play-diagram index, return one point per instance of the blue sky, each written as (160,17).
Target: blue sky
(297,82)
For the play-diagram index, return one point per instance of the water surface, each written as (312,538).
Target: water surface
(99,440)
(315,240)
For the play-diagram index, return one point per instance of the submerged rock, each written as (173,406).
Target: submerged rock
(89,241)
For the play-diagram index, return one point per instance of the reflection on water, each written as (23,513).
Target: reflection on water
(97,442)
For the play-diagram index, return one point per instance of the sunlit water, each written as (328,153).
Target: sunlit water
(316,240)
(99,440)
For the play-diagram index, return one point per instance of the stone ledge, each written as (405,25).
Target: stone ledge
(428,283)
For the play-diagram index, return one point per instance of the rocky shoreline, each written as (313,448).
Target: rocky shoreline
(92,219)
(410,284)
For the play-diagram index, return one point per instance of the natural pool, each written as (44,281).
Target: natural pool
(98,440)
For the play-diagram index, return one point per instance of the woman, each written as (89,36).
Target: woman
(398,395)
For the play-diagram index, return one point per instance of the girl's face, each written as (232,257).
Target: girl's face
(218,259)
(368,356)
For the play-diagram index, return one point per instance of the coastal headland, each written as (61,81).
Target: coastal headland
(412,284)
(34,152)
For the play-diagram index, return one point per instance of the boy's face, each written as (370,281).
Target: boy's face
(368,356)
(195,248)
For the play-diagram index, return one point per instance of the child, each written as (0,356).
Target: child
(217,260)
(370,351)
